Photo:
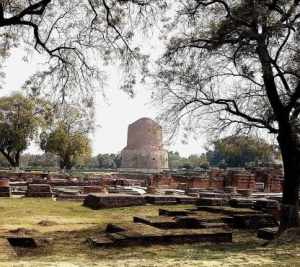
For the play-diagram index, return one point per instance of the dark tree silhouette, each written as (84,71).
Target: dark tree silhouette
(237,64)
(77,37)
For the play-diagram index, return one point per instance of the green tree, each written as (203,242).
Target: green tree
(68,135)
(237,151)
(174,159)
(20,120)
(109,161)
(237,64)
(45,160)
(193,161)
(198,160)
(73,148)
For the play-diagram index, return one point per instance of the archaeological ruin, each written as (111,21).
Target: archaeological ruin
(144,151)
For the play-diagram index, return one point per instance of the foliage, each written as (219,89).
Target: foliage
(238,151)
(68,136)
(109,161)
(45,160)
(4,162)
(73,148)
(21,118)
(191,162)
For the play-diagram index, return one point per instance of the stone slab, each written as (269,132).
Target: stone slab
(140,234)
(253,221)
(267,233)
(166,212)
(241,202)
(161,199)
(210,201)
(228,210)
(102,201)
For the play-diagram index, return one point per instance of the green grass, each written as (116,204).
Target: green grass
(72,224)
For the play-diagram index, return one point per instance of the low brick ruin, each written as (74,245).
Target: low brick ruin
(4,187)
(214,223)
(212,185)
(39,190)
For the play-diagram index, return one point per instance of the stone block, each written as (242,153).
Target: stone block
(210,201)
(253,221)
(161,199)
(241,202)
(267,233)
(266,204)
(39,190)
(102,201)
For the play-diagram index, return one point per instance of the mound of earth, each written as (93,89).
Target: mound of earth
(47,223)
(23,232)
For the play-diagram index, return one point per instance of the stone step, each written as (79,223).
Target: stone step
(210,201)
(253,221)
(267,233)
(141,234)
(227,210)
(166,212)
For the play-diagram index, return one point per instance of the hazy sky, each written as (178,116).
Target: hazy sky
(113,116)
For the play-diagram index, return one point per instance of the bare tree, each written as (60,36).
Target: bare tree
(237,64)
(77,37)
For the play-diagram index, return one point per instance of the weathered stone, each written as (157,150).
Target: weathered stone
(151,190)
(39,190)
(144,151)
(267,233)
(245,192)
(102,201)
(161,199)
(266,204)
(210,201)
(241,202)
(94,189)
(141,234)
(253,221)
(22,241)
(230,190)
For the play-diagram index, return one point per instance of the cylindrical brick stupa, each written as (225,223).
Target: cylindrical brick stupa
(144,151)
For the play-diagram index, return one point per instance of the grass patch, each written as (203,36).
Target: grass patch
(70,224)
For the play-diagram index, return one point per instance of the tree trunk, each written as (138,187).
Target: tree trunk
(290,151)
(65,163)
(61,164)
(10,159)
(17,160)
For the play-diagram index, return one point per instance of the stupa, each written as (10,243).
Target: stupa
(144,151)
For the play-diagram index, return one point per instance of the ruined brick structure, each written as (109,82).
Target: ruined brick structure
(270,176)
(144,151)
(4,187)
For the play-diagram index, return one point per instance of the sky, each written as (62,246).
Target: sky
(113,114)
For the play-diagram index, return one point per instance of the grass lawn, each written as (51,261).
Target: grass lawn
(68,224)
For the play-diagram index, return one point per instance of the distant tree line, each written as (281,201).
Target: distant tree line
(241,151)
(191,162)
(231,151)
(105,161)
